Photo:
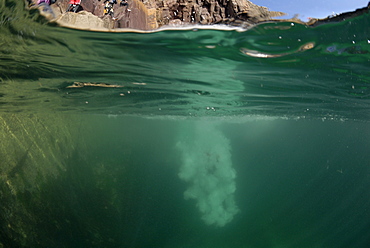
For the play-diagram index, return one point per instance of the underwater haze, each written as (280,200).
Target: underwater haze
(202,137)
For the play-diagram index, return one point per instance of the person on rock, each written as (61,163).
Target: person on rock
(44,5)
(108,7)
(123,3)
(47,2)
(43,2)
(73,5)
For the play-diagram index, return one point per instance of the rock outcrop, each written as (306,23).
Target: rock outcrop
(153,14)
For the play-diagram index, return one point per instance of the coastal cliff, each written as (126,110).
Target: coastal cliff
(153,14)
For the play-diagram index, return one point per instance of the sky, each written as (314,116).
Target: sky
(312,8)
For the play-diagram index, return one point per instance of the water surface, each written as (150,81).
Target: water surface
(201,137)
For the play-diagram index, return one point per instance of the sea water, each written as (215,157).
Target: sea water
(198,137)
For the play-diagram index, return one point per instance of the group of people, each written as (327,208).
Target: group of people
(74,5)
(108,6)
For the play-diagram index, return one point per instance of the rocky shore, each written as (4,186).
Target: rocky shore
(153,14)
(147,15)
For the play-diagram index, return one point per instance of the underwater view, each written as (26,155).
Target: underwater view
(212,135)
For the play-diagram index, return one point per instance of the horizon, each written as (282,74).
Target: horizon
(313,8)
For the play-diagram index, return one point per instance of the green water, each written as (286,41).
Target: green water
(211,137)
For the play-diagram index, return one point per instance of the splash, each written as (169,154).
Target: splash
(207,168)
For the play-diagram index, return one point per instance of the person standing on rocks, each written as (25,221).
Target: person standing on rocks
(44,5)
(108,7)
(73,5)
(48,2)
